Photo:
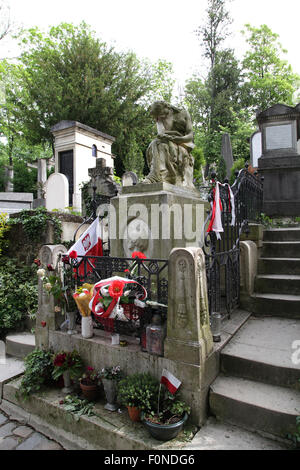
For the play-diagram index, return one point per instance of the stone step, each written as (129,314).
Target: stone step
(262,350)
(279,266)
(10,367)
(276,305)
(254,405)
(20,344)
(223,436)
(274,283)
(282,234)
(289,249)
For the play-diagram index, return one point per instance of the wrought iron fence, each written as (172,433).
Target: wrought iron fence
(152,274)
(223,255)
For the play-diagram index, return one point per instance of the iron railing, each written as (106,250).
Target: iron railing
(152,274)
(223,256)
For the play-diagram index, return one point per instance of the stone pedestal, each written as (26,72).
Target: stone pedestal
(47,319)
(189,341)
(154,219)
(280,161)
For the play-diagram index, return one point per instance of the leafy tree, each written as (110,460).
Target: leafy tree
(269,79)
(69,74)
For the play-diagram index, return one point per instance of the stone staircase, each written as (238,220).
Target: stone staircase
(258,388)
(277,285)
(17,346)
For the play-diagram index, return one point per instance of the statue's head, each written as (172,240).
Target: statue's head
(159,108)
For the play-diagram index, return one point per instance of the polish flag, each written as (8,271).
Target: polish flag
(170,381)
(89,244)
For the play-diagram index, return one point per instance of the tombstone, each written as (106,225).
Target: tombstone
(9,175)
(226,152)
(280,160)
(255,148)
(77,148)
(129,179)
(57,192)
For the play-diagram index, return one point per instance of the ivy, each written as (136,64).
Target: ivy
(38,371)
(18,294)
(34,223)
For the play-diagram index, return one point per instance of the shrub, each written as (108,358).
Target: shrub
(18,294)
(139,390)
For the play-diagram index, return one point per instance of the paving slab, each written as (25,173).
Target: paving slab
(23,431)
(9,443)
(220,436)
(32,443)
(3,419)
(7,429)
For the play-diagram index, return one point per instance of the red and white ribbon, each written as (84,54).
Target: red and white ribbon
(215,224)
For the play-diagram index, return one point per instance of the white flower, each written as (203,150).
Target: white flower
(47,286)
(57,309)
(41,272)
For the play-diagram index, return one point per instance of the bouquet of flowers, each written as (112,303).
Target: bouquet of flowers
(111,373)
(108,295)
(63,361)
(82,297)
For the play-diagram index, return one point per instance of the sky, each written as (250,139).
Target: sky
(161,28)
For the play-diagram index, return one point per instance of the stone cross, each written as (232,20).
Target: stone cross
(226,152)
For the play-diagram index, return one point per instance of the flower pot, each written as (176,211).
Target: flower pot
(165,432)
(90,392)
(87,327)
(134,413)
(110,390)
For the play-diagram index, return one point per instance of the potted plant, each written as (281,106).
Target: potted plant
(110,377)
(69,365)
(138,393)
(38,372)
(89,384)
(166,419)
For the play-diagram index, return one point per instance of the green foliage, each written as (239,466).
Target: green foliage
(112,373)
(171,408)
(34,223)
(266,220)
(237,165)
(77,406)
(68,73)
(3,228)
(38,372)
(268,78)
(18,294)
(139,390)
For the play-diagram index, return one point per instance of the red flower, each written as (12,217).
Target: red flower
(115,289)
(90,368)
(65,259)
(126,271)
(73,254)
(43,323)
(37,262)
(59,360)
(138,254)
(50,267)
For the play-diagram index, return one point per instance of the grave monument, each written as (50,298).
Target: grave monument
(279,163)
(165,210)
(77,148)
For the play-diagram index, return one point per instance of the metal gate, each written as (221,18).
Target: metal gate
(223,255)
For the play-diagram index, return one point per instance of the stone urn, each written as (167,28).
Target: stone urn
(110,390)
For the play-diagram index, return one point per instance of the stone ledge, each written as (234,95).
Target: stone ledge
(106,431)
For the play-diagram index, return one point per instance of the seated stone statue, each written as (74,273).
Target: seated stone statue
(169,154)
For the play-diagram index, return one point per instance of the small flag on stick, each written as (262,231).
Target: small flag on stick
(170,381)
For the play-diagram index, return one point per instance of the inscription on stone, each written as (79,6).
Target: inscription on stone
(279,137)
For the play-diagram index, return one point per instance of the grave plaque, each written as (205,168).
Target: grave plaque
(279,137)
(255,148)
